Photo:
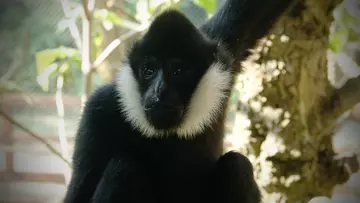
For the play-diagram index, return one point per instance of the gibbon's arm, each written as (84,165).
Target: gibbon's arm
(238,24)
(91,154)
(233,180)
(124,180)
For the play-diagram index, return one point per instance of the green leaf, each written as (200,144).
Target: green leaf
(66,72)
(98,39)
(48,61)
(64,68)
(48,56)
(338,40)
(44,59)
(208,5)
(343,28)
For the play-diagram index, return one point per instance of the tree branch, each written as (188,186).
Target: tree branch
(349,94)
(88,6)
(343,99)
(40,139)
(112,46)
(86,49)
(74,31)
(339,101)
(61,122)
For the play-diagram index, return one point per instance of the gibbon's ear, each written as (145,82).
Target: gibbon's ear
(238,24)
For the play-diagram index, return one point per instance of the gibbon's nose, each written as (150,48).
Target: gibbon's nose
(160,86)
(151,103)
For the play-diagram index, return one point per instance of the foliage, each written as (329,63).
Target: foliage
(39,27)
(345,28)
(344,39)
(56,61)
(209,5)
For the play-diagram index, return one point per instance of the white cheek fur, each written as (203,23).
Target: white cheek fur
(206,102)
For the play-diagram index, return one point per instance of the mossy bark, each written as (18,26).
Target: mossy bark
(302,165)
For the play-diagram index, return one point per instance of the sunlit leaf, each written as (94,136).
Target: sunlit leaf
(48,61)
(98,39)
(65,67)
(66,72)
(44,59)
(208,5)
(48,56)
(338,40)
(344,28)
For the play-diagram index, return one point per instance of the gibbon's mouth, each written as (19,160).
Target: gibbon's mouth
(160,105)
(162,108)
(164,117)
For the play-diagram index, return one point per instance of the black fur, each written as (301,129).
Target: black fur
(113,162)
(175,170)
(171,42)
(240,23)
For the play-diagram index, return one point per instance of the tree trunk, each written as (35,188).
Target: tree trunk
(294,114)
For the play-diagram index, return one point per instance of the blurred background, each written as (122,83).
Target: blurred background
(295,110)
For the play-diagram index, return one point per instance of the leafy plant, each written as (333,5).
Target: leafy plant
(344,29)
(55,61)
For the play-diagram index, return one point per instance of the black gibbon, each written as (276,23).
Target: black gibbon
(155,134)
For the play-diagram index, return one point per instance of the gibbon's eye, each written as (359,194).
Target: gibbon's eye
(178,71)
(148,71)
(149,68)
(177,67)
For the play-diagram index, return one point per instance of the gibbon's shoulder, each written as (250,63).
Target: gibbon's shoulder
(102,108)
(103,100)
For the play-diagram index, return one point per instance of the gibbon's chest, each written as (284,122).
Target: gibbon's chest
(173,155)
(168,152)
(181,175)
(178,170)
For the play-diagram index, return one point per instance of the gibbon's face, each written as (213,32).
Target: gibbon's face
(175,80)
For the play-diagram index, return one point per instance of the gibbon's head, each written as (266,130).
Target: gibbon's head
(175,81)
